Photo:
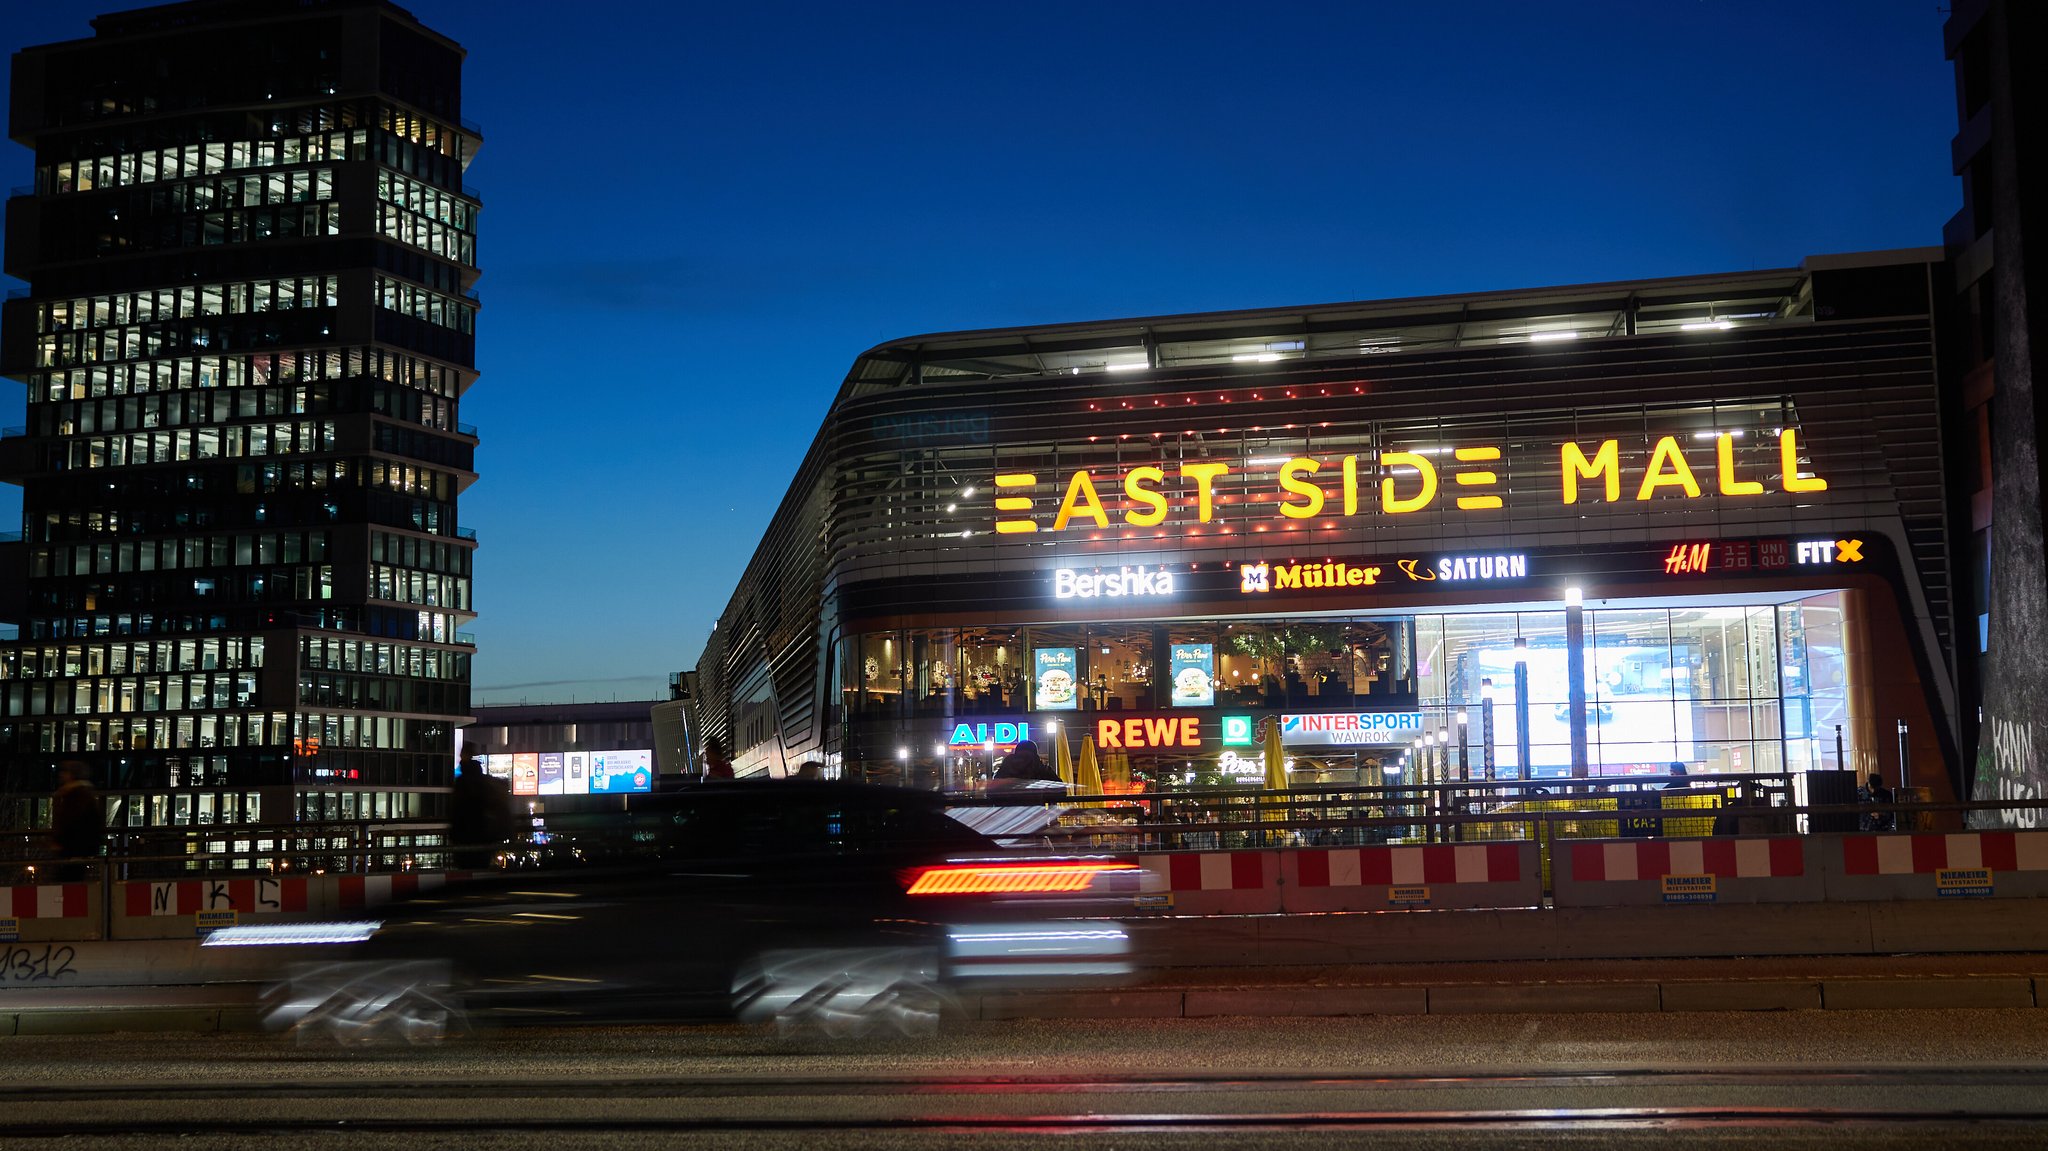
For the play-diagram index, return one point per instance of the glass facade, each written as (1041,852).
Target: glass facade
(1721,689)
(245,342)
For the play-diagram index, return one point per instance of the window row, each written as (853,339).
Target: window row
(187,552)
(145,658)
(304,186)
(436,204)
(174,409)
(450,142)
(197,691)
(412,552)
(139,233)
(443,240)
(324,654)
(313,732)
(234,441)
(143,733)
(268,479)
(380,693)
(104,624)
(189,302)
(244,371)
(412,479)
(193,160)
(416,587)
(422,304)
(200,809)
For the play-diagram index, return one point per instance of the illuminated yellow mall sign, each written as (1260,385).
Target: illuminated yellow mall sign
(1411,482)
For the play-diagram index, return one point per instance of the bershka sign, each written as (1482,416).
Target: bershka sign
(1135,582)
(1342,728)
(1395,483)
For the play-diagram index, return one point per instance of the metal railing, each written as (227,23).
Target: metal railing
(1206,820)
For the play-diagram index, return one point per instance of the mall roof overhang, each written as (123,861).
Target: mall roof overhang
(1690,306)
(1263,336)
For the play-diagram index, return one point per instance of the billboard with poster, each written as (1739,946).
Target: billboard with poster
(525,773)
(621,772)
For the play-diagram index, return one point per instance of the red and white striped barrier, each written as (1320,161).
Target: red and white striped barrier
(1411,877)
(1213,882)
(1919,853)
(269,895)
(1723,869)
(45,901)
(1920,865)
(1344,879)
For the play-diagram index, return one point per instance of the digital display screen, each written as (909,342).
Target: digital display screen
(621,772)
(1193,682)
(1056,686)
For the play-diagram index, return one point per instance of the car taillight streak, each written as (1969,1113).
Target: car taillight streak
(1005,878)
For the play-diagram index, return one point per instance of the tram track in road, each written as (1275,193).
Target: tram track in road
(706,1086)
(1645,1119)
(781,1107)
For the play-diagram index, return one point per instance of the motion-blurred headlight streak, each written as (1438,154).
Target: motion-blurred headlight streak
(1008,878)
(1010,951)
(291,934)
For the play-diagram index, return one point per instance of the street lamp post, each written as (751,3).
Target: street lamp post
(1575,673)
(1464,746)
(1522,707)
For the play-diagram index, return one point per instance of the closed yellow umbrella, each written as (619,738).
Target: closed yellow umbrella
(1063,757)
(1087,776)
(1276,757)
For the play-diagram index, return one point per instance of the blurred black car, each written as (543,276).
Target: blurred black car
(839,906)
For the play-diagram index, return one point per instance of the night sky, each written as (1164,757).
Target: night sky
(696,216)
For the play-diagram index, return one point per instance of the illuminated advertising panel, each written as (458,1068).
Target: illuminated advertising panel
(1056,682)
(525,773)
(498,765)
(575,773)
(1351,728)
(1003,734)
(1427,479)
(1194,685)
(550,773)
(1148,732)
(621,772)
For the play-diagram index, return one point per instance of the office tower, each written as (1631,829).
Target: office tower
(248,328)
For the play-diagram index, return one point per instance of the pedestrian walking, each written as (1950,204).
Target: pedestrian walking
(77,825)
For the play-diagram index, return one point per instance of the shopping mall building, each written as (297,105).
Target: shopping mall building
(1717,506)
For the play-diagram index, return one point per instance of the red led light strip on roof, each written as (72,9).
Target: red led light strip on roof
(987,878)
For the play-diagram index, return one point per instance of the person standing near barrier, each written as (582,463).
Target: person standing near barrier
(716,765)
(77,825)
(1875,792)
(479,816)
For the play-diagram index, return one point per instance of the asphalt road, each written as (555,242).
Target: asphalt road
(1851,1078)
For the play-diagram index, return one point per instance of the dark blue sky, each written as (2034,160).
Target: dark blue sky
(696,216)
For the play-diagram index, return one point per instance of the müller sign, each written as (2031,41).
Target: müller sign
(1410,482)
